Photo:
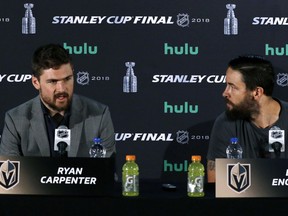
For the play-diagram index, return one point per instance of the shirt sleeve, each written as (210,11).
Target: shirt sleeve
(222,131)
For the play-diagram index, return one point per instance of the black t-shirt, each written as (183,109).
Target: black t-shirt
(254,140)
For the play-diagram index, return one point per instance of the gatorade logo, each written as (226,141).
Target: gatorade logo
(131,183)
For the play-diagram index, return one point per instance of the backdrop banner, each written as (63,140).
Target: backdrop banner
(176,53)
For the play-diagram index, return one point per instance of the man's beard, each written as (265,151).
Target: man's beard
(245,110)
(52,105)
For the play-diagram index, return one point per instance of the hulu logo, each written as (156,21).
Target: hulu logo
(185,108)
(278,51)
(175,167)
(77,50)
(181,50)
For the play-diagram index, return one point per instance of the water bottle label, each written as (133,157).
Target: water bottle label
(196,184)
(97,151)
(131,184)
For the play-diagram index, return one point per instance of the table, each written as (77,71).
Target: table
(153,200)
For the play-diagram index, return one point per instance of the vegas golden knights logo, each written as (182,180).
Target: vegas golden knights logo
(9,174)
(239,177)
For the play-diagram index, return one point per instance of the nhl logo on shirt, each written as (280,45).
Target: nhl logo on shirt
(238,177)
(9,174)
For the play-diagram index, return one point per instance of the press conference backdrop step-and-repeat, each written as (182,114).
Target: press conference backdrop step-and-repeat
(177,50)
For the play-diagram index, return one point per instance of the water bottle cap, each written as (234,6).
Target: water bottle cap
(234,139)
(97,139)
(196,157)
(130,157)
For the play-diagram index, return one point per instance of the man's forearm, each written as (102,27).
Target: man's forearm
(211,171)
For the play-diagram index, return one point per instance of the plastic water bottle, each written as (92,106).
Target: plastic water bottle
(97,150)
(130,177)
(195,181)
(234,149)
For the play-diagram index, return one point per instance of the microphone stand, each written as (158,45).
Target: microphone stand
(62,149)
(277,148)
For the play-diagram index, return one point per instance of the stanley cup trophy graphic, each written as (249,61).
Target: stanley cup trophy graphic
(130,80)
(230,22)
(28,21)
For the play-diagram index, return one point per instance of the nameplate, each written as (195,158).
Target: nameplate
(251,178)
(57,176)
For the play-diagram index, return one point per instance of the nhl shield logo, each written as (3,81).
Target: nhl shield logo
(182,137)
(282,79)
(62,133)
(83,78)
(9,174)
(183,20)
(239,177)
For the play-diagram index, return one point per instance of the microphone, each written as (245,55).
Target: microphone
(62,140)
(276,141)
(277,148)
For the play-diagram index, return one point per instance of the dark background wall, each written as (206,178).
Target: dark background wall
(168,119)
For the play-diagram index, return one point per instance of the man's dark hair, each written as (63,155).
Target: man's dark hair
(49,56)
(256,72)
